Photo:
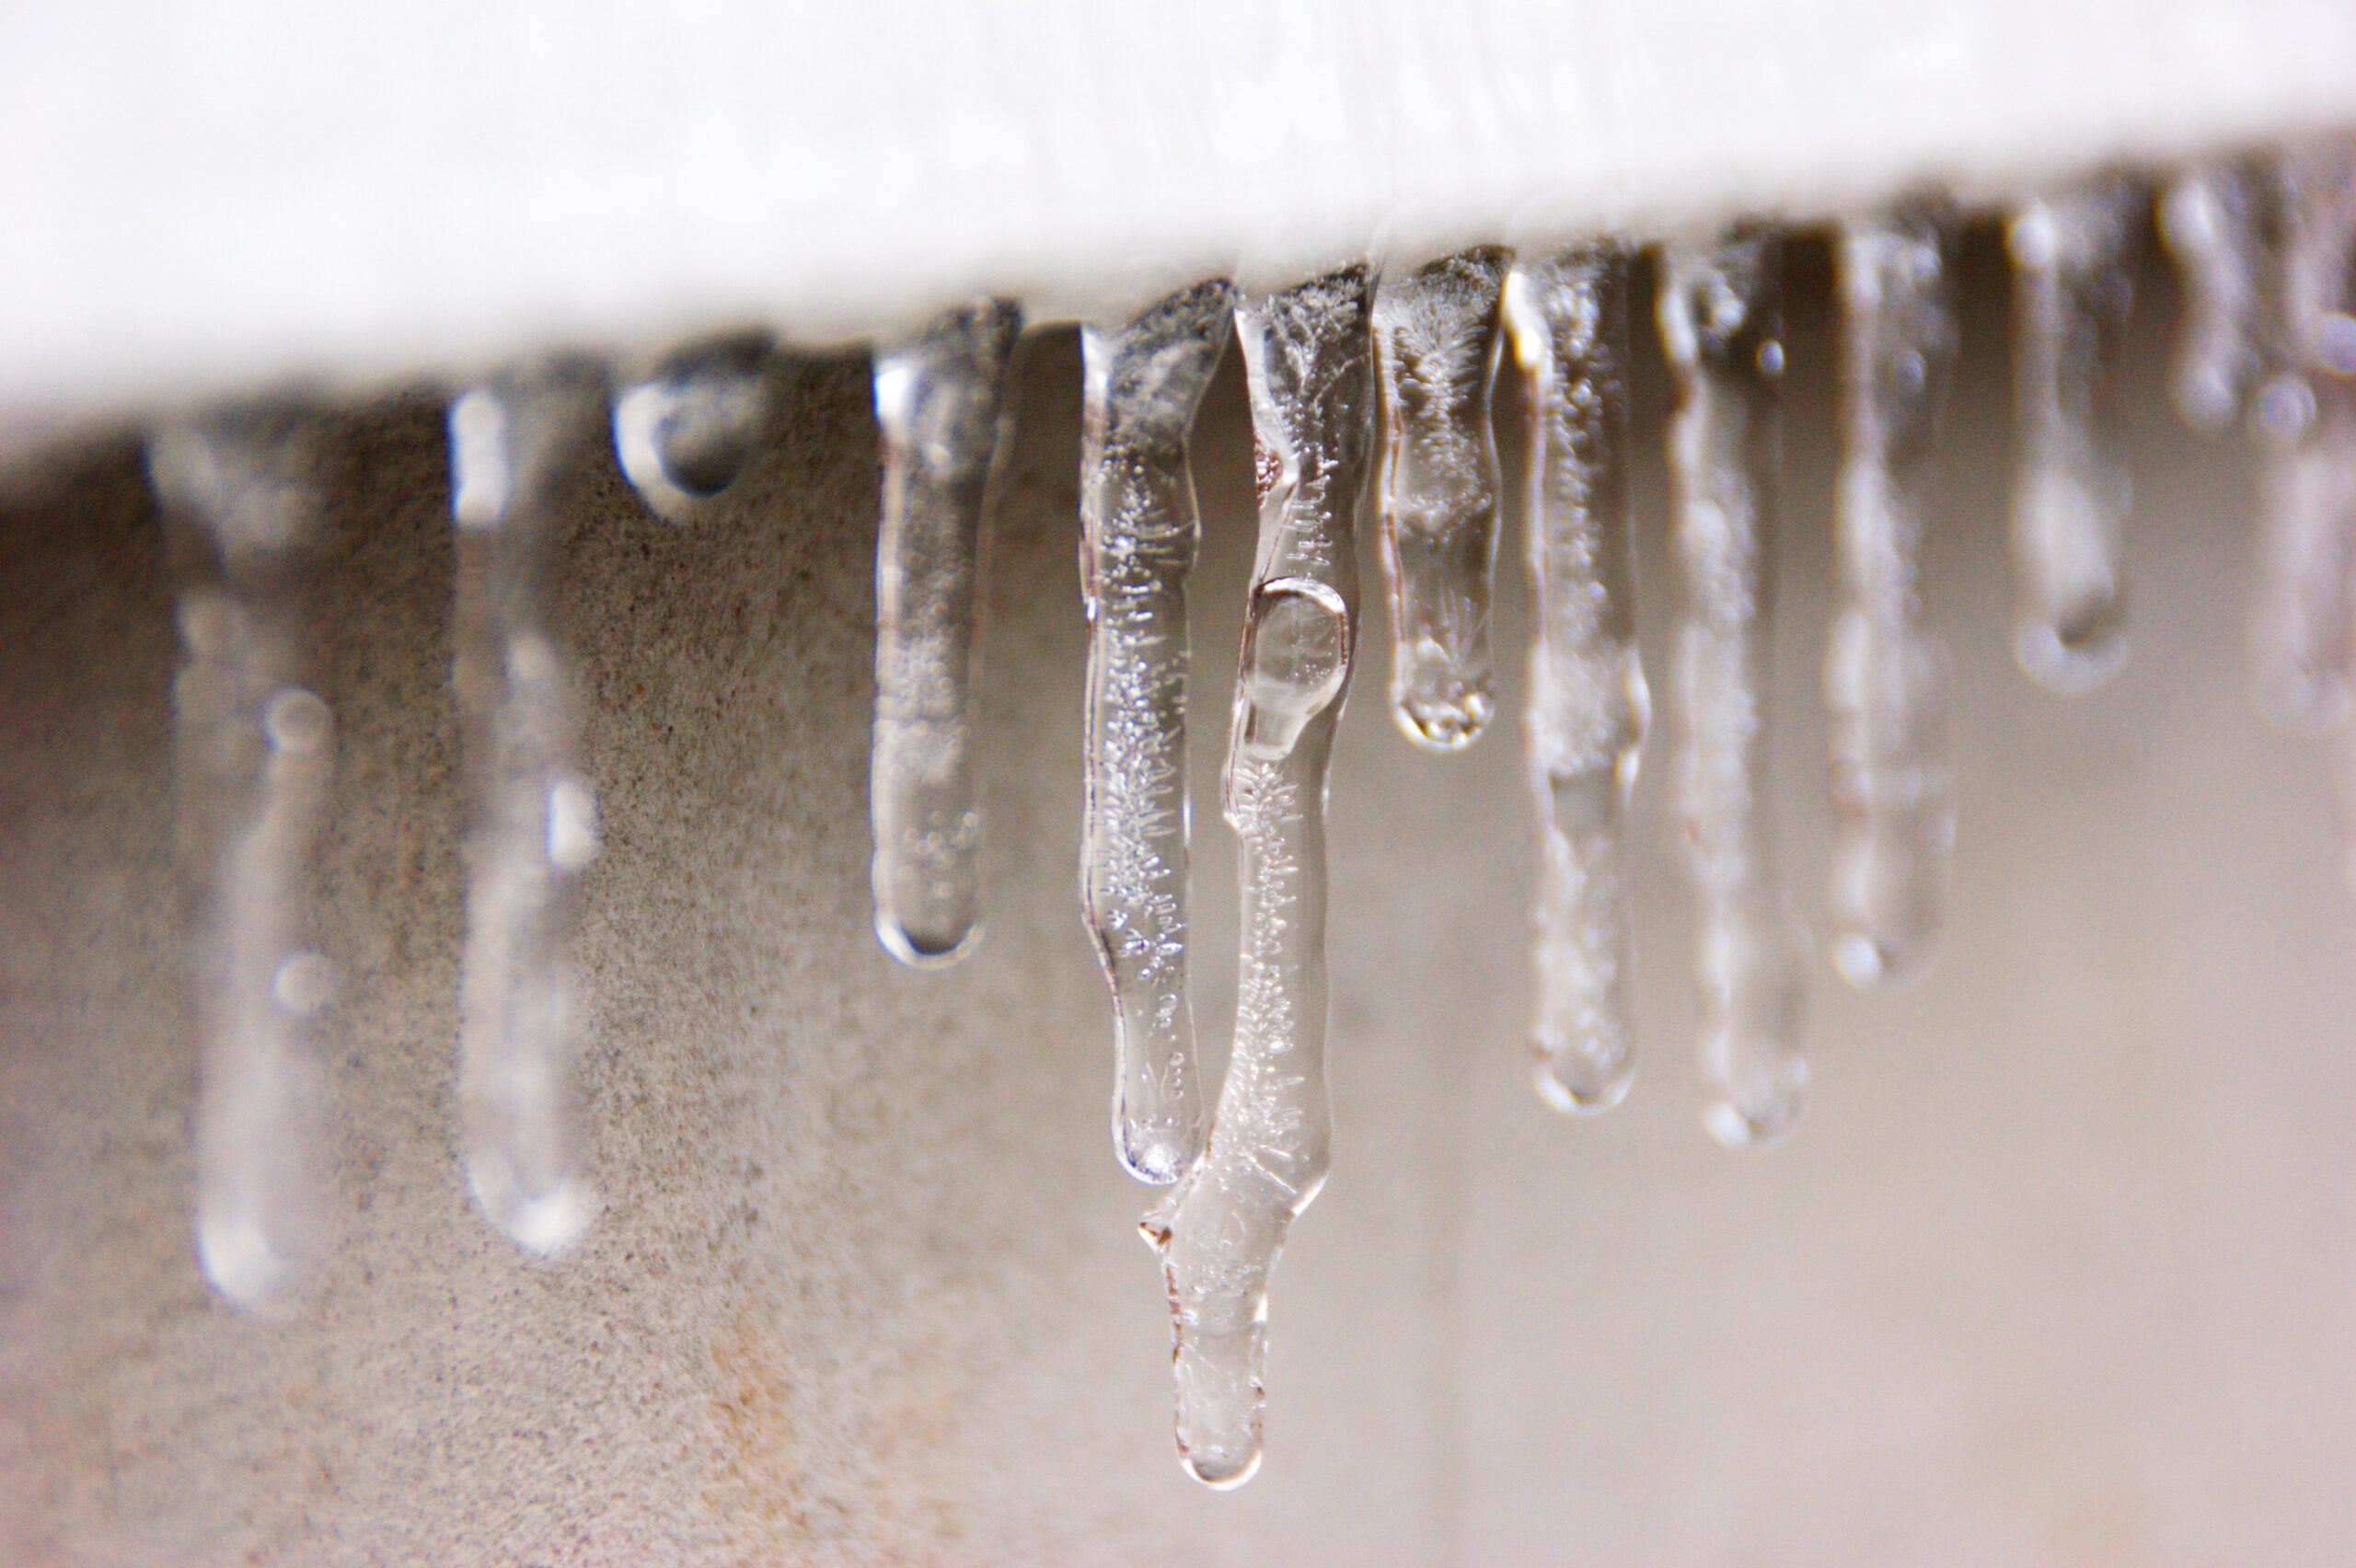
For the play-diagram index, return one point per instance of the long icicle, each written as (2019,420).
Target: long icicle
(940,408)
(531,817)
(2073,276)
(1589,706)
(1139,533)
(1436,339)
(255,762)
(1886,678)
(1308,354)
(1721,320)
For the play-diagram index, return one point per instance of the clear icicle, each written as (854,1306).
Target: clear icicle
(2073,273)
(1568,318)
(2303,415)
(1308,354)
(1886,678)
(683,434)
(1435,337)
(531,818)
(2206,223)
(255,761)
(1721,320)
(940,407)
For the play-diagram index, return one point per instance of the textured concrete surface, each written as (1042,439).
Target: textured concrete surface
(2058,1268)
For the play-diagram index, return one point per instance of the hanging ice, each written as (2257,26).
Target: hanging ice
(1436,334)
(1308,352)
(1721,320)
(940,396)
(2303,415)
(2206,222)
(531,819)
(1886,678)
(255,761)
(1145,378)
(684,433)
(2072,276)
(1568,318)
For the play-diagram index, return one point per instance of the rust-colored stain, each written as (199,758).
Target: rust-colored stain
(758,1487)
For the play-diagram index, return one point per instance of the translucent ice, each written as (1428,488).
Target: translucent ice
(683,433)
(1139,533)
(1568,318)
(1721,321)
(1435,334)
(2206,222)
(1308,354)
(940,396)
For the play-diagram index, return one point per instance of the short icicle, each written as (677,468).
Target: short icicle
(2073,276)
(1721,321)
(255,762)
(1307,354)
(1139,533)
(531,818)
(1886,677)
(1588,706)
(684,431)
(940,407)
(2206,223)
(1436,339)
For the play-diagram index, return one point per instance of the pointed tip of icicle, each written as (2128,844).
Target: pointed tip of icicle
(2070,666)
(1444,726)
(1575,1086)
(926,950)
(546,1225)
(1221,1471)
(1759,1126)
(1880,965)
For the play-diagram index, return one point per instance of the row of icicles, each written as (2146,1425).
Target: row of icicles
(1356,382)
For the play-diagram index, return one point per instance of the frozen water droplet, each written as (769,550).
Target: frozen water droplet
(1145,379)
(683,434)
(1718,303)
(1435,334)
(1583,727)
(531,822)
(939,405)
(1308,354)
(2073,276)
(255,765)
(2206,222)
(1886,683)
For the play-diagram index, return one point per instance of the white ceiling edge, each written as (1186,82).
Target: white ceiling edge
(222,196)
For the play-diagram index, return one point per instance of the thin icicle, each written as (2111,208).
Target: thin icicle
(940,401)
(684,433)
(1886,678)
(1145,379)
(531,817)
(256,760)
(1589,706)
(1308,352)
(2206,221)
(2073,275)
(2303,415)
(1721,321)
(1435,336)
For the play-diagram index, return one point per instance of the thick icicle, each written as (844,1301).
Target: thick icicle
(531,818)
(1721,320)
(1308,352)
(256,759)
(684,433)
(1145,379)
(2303,415)
(1435,336)
(2206,223)
(2073,275)
(940,397)
(1567,317)
(1886,678)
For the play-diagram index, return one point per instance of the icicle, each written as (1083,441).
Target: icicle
(1308,352)
(940,397)
(1436,334)
(531,818)
(1885,680)
(1146,377)
(256,759)
(2303,415)
(1721,319)
(683,433)
(2072,269)
(1568,318)
(2206,222)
